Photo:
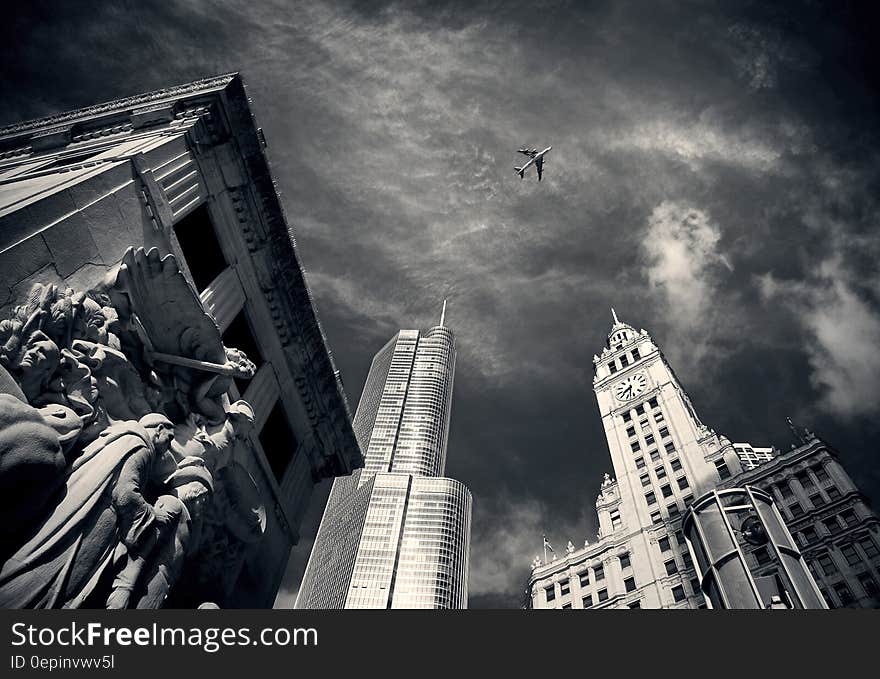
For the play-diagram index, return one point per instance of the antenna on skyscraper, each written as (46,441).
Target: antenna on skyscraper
(614,316)
(443,314)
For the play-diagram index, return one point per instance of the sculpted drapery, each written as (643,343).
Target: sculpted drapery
(115,437)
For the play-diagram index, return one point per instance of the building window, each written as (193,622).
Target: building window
(630,584)
(675,463)
(688,562)
(588,601)
(635,604)
(655,456)
(599,573)
(646,481)
(566,606)
(200,247)
(612,367)
(827,597)
(656,518)
(821,474)
(616,521)
(833,493)
(723,471)
(664,432)
(809,534)
(660,472)
(630,431)
(850,554)
(805,480)
(564,588)
(664,545)
(827,564)
(640,463)
(785,491)
(849,517)
(843,593)
(551,593)
(650,498)
(636,355)
(640,410)
(666,490)
(695,586)
(278,440)
(679,538)
(678,593)
(831,525)
(603,595)
(624,561)
(669,447)
(623,361)
(762,556)
(868,545)
(585,579)
(671,568)
(635,446)
(658,416)
(673,510)
(687,499)
(816,500)
(627,417)
(652,402)
(868,584)
(796,510)
(649,440)
(683,483)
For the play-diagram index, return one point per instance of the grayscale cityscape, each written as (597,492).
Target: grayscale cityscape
(460,306)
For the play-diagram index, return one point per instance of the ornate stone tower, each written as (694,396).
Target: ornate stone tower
(662,454)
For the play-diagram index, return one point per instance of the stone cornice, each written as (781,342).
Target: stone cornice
(289,297)
(176,92)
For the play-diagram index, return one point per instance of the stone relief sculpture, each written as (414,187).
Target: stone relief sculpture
(120,455)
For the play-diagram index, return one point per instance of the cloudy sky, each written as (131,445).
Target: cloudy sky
(714,177)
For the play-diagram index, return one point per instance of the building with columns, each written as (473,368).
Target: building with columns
(183,174)
(836,529)
(663,456)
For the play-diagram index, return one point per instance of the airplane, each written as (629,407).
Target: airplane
(536,158)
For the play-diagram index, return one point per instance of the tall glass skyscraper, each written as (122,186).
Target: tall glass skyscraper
(397,533)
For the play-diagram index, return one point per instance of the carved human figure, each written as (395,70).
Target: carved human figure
(104,510)
(149,573)
(32,466)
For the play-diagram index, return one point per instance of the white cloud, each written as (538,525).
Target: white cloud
(843,337)
(698,142)
(683,262)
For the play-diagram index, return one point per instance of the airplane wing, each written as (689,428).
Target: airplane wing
(539,164)
(531,153)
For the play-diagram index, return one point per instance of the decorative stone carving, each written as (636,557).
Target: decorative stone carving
(120,457)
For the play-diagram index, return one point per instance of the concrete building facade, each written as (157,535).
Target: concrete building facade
(835,527)
(183,171)
(663,456)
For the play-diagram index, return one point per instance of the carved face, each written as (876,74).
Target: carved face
(163,435)
(41,356)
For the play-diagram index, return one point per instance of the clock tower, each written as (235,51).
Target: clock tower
(662,453)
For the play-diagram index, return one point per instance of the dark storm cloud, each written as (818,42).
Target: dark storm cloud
(713,177)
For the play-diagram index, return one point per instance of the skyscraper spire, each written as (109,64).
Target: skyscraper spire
(614,316)
(443,314)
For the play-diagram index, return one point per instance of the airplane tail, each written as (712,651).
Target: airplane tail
(521,172)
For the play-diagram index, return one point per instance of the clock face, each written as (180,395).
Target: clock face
(630,387)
